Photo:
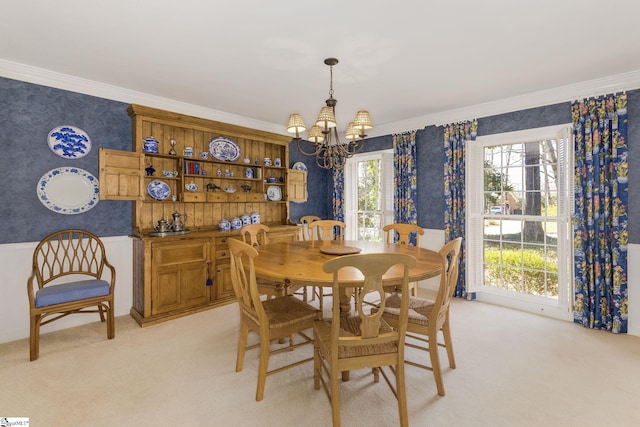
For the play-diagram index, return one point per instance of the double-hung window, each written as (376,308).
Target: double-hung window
(519,202)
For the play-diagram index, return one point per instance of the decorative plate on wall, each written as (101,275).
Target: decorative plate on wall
(224,149)
(68,190)
(69,142)
(299,166)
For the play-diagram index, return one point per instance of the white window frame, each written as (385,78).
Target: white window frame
(475,222)
(351,189)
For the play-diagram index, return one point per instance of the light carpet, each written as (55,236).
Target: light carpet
(513,369)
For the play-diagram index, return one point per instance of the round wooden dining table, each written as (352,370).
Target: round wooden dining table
(299,263)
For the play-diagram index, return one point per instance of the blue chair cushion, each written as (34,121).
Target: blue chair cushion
(72,291)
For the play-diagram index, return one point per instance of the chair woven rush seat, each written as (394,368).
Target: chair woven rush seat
(419,309)
(350,327)
(286,311)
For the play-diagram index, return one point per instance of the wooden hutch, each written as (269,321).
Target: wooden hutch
(181,273)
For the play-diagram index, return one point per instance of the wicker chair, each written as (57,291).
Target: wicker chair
(427,317)
(348,342)
(273,319)
(69,254)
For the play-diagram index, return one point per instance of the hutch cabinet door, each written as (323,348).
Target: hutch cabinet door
(179,274)
(224,287)
(120,175)
(297,186)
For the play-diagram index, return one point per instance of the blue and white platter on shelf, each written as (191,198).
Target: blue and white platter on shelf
(224,149)
(69,142)
(68,190)
(274,193)
(299,166)
(159,190)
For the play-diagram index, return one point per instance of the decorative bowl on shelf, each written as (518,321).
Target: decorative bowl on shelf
(229,190)
(191,186)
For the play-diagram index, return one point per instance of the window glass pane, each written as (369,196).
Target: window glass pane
(520,217)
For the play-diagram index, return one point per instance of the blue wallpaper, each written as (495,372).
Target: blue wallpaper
(27,113)
(319,188)
(633,117)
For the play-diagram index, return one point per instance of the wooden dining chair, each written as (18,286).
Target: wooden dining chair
(272,319)
(305,233)
(428,317)
(306,220)
(67,278)
(256,236)
(326,229)
(360,340)
(401,234)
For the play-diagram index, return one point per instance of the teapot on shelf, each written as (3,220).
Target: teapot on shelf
(178,221)
(163,226)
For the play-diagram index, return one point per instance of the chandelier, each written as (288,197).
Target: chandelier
(329,151)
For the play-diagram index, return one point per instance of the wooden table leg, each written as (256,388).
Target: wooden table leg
(345,300)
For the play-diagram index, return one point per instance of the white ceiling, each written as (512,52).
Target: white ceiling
(405,61)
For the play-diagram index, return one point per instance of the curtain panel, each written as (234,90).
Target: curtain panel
(455,136)
(338,194)
(600,219)
(405,180)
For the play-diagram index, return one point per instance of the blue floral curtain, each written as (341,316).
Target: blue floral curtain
(405,178)
(455,136)
(338,194)
(600,220)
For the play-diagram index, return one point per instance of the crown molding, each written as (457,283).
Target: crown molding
(27,73)
(603,86)
(611,84)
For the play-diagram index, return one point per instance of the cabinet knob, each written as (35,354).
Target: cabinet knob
(224,240)
(223,253)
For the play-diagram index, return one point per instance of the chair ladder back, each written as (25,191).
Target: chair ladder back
(450,254)
(243,278)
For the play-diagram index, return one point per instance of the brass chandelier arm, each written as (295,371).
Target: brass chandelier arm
(316,145)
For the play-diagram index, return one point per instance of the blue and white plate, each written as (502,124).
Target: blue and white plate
(274,193)
(159,190)
(69,142)
(224,149)
(68,190)
(299,166)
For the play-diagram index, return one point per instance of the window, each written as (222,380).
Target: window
(368,195)
(518,206)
